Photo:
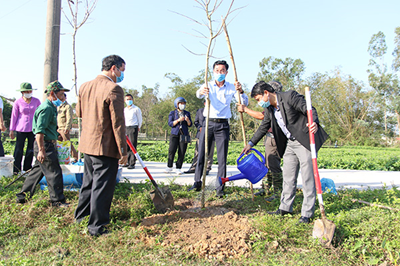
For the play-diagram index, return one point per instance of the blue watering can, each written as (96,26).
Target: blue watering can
(251,168)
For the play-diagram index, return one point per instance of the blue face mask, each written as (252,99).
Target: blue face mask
(219,77)
(263,104)
(120,78)
(57,102)
(129,102)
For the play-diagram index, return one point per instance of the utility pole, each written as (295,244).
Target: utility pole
(52,45)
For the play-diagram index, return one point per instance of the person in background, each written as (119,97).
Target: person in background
(286,113)
(21,126)
(133,123)
(273,160)
(44,126)
(103,141)
(2,127)
(179,120)
(220,93)
(64,123)
(199,122)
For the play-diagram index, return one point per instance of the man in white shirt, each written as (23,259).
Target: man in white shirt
(220,93)
(133,123)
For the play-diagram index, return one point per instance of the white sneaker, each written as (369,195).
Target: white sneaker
(178,171)
(168,170)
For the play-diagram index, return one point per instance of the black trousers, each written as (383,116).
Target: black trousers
(97,191)
(50,168)
(1,147)
(196,156)
(175,144)
(132,133)
(219,132)
(19,151)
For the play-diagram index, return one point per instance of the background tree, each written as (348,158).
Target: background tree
(396,68)
(7,110)
(287,71)
(379,77)
(346,109)
(77,20)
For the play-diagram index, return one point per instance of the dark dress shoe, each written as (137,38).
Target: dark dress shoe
(220,194)
(21,201)
(60,204)
(269,199)
(131,167)
(304,220)
(125,165)
(261,192)
(103,231)
(190,171)
(279,212)
(196,186)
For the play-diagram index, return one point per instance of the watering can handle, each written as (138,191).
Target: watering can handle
(259,153)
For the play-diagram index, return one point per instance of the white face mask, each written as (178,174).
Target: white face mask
(182,106)
(28,95)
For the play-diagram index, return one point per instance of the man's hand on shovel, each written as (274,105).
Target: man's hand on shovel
(238,86)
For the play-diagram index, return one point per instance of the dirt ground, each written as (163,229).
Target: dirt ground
(214,232)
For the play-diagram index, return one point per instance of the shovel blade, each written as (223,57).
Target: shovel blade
(162,204)
(324,230)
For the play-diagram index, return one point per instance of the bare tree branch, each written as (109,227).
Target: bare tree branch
(191,19)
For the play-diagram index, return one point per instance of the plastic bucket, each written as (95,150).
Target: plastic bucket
(6,166)
(72,177)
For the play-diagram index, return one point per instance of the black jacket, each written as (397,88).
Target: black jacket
(293,109)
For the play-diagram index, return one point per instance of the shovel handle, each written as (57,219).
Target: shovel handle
(144,166)
(312,146)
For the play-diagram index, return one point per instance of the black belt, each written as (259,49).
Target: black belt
(131,126)
(218,120)
(51,141)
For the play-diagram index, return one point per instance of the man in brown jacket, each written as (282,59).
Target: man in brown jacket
(101,107)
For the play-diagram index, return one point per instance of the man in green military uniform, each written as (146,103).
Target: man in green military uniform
(45,128)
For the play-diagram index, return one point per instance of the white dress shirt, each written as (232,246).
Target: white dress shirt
(221,98)
(279,120)
(133,116)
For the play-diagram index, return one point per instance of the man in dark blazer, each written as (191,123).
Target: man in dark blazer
(286,114)
(198,123)
(103,141)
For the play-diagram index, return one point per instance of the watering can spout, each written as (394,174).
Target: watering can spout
(223,180)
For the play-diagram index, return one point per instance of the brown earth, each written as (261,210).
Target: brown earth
(212,232)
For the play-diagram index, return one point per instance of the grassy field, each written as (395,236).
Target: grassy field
(37,234)
(345,157)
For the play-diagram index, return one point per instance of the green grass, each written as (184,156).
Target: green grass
(37,234)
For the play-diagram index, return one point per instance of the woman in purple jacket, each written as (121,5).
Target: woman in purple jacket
(179,120)
(21,122)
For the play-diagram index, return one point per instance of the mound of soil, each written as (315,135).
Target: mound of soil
(214,232)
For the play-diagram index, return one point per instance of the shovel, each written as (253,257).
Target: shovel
(162,197)
(324,229)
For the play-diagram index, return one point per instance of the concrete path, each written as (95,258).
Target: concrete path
(342,178)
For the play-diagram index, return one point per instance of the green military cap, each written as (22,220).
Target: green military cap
(26,86)
(55,86)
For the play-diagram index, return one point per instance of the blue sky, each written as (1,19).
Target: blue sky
(324,34)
